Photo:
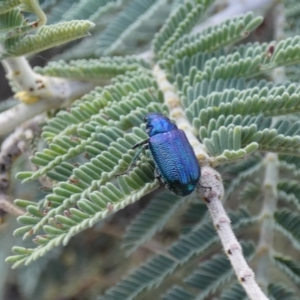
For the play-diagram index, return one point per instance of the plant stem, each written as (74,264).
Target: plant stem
(10,208)
(172,100)
(270,179)
(231,246)
(38,93)
(267,227)
(211,178)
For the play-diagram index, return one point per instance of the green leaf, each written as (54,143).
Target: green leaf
(178,293)
(12,26)
(87,10)
(130,112)
(288,223)
(119,29)
(212,38)
(287,51)
(289,191)
(105,67)
(151,220)
(49,36)
(180,22)
(290,266)
(109,199)
(236,292)
(151,273)
(196,212)
(279,291)
(7,5)
(209,276)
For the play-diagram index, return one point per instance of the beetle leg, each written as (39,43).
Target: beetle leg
(143,143)
(159,178)
(136,156)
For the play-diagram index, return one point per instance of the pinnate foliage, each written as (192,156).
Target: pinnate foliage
(15,30)
(234,107)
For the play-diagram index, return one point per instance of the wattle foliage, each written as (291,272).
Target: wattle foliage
(229,96)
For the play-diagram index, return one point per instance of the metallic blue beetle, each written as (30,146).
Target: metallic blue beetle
(176,163)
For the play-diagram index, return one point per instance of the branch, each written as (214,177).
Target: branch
(213,197)
(172,100)
(267,227)
(34,7)
(38,93)
(270,178)
(10,208)
(13,146)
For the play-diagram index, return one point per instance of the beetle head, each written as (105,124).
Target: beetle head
(158,123)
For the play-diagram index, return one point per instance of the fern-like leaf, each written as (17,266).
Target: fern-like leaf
(7,5)
(213,38)
(89,9)
(236,292)
(245,171)
(87,179)
(110,198)
(179,23)
(12,25)
(195,213)
(243,61)
(121,27)
(196,241)
(287,52)
(288,223)
(151,220)
(178,293)
(238,137)
(211,274)
(49,36)
(93,69)
(67,123)
(289,266)
(93,136)
(278,292)
(289,191)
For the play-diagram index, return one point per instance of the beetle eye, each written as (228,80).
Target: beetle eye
(145,119)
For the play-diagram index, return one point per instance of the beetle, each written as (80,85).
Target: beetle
(176,164)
